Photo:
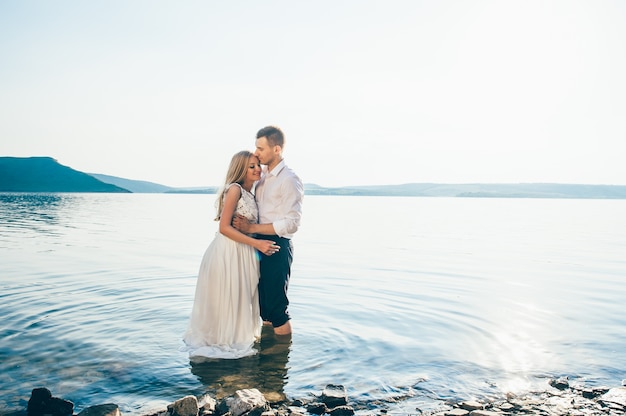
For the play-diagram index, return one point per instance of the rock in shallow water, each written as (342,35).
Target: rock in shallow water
(187,406)
(42,403)
(108,409)
(615,395)
(342,411)
(244,401)
(456,412)
(560,383)
(334,395)
(471,405)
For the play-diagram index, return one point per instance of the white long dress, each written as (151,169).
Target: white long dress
(225,320)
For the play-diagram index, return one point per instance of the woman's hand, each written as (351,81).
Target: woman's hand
(267,247)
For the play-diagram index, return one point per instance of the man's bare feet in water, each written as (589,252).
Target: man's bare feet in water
(272,344)
(284,329)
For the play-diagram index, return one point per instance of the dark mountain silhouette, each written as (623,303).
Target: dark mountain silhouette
(44,174)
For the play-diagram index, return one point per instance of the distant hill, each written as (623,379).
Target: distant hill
(136,186)
(196,190)
(132,185)
(478,190)
(44,174)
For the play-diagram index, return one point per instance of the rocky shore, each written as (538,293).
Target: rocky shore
(561,398)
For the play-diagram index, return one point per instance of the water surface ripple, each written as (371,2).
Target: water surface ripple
(405,301)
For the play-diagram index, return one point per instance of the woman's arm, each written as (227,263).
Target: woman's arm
(231,198)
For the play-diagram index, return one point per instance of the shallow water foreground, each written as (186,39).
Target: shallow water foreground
(441,299)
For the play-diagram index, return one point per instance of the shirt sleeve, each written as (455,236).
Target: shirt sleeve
(293,193)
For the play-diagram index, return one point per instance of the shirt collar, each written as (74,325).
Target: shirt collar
(277,168)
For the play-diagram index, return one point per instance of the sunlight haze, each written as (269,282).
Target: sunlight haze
(367,92)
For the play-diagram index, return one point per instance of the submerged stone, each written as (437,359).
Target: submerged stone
(334,395)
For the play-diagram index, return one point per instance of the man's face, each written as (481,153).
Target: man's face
(264,151)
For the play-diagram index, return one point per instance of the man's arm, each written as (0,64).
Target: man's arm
(242,224)
(293,192)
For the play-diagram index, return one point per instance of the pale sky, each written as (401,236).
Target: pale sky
(367,92)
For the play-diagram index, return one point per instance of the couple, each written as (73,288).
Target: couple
(237,287)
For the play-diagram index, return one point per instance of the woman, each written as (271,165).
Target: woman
(225,320)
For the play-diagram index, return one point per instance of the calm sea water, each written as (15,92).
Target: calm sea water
(405,301)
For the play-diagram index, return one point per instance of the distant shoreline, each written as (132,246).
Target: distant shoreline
(45,174)
(345,193)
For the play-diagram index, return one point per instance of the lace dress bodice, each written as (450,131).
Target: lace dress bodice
(246,205)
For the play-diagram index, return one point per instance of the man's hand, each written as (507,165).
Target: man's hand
(241,223)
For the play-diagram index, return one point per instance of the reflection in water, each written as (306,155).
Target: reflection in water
(265,371)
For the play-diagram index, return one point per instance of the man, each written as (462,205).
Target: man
(279,196)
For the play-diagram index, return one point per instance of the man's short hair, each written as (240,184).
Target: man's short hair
(273,134)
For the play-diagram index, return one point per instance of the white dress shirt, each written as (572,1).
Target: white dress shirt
(279,195)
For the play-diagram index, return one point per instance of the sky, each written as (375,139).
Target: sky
(366,92)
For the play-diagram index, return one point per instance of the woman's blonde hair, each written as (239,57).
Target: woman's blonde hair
(237,172)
